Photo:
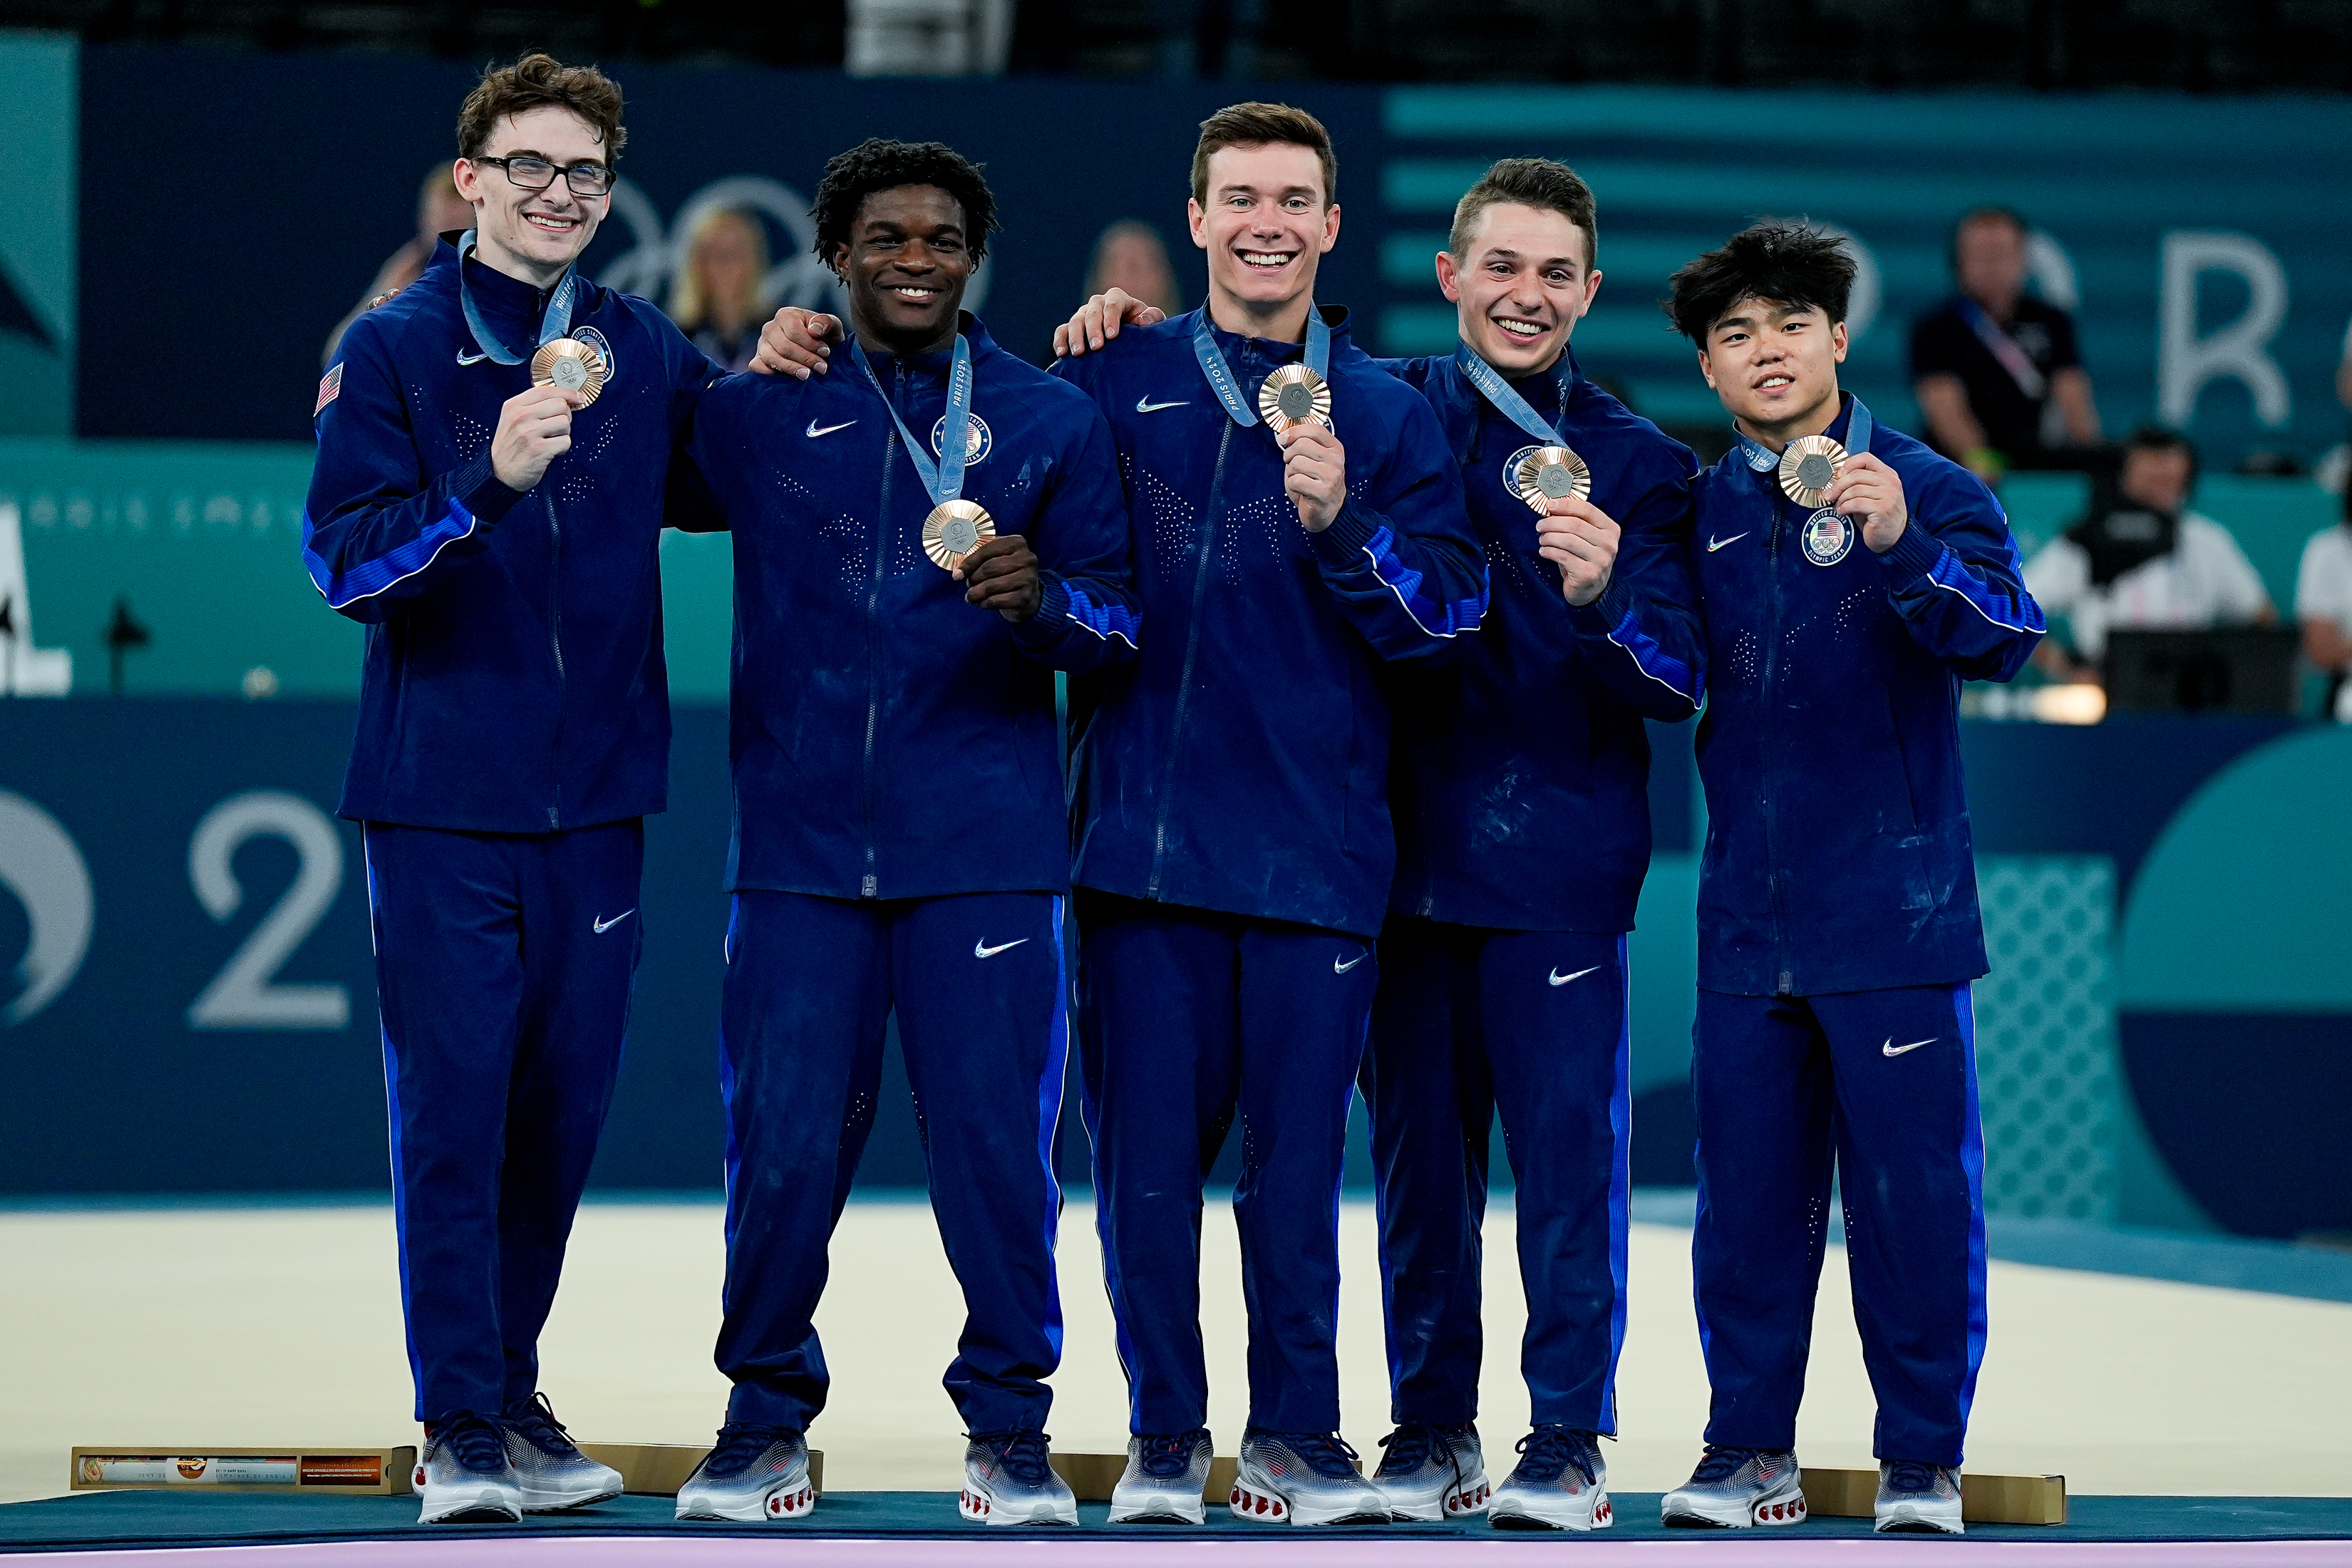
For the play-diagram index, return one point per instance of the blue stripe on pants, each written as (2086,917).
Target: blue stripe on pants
(1469,1021)
(1188,1018)
(1882,1086)
(503,1009)
(977,983)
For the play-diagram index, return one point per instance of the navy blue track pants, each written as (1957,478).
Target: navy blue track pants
(1186,1019)
(1883,1084)
(503,967)
(981,992)
(1469,1021)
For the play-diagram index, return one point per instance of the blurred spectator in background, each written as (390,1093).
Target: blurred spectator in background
(1130,255)
(2323,602)
(2000,381)
(718,298)
(439,211)
(2143,561)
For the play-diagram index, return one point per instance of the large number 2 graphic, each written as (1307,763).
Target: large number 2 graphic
(245,995)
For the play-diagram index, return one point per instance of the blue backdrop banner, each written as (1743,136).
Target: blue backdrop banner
(2198,239)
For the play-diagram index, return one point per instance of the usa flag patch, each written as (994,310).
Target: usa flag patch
(330,386)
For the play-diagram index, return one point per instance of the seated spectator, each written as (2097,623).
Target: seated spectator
(1130,255)
(718,299)
(2143,562)
(2323,602)
(2000,382)
(439,210)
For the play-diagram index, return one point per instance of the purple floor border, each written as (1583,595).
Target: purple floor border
(1030,1551)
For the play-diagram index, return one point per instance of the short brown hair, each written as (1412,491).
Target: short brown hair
(1538,183)
(1261,125)
(536,81)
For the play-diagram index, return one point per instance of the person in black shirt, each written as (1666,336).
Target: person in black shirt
(2000,382)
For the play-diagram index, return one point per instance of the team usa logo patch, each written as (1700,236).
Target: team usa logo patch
(598,341)
(330,386)
(976,440)
(1511,468)
(1828,537)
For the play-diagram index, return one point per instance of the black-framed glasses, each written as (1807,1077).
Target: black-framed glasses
(537,173)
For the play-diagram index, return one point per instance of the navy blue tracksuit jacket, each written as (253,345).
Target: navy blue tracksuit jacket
(513,680)
(1234,848)
(1838,933)
(513,728)
(1242,764)
(901,843)
(1521,782)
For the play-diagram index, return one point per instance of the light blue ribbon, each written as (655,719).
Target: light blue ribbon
(553,325)
(1221,374)
(943,480)
(1506,398)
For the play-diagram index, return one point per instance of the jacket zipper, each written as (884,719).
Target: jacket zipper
(1784,980)
(871,887)
(1210,516)
(555,637)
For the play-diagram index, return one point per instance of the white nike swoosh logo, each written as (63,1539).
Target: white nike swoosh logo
(1145,406)
(464,358)
(604,926)
(982,950)
(813,432)
(1892,1050)
(1714,544)
(1559,979)
(1339,968)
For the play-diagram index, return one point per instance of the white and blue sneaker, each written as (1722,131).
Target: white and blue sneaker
(1559,1483)
(1431,1472)
(1734,1489)
(1167,1479)
(555,1475)
(1008,1479)
(1916,1499)
(466,1476)
(1303,1478)
(752,1474)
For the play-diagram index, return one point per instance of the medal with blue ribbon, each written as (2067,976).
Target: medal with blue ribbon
(1292,395)
(562,360)
(955,526)
(1548,471)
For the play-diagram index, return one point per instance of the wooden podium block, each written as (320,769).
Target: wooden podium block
(359,1471)
(658,1470)
(1984,1500)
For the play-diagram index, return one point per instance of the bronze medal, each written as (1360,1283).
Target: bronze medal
(1293,396)
(1808,466)
(1551,474)
(570,365)
(954,531)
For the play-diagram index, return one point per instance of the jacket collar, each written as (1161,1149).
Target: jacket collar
(1231,344)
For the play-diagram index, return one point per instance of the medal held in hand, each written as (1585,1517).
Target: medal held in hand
(954,531)
(1551,474)
(1293,396)
(1808,466)
(570,365)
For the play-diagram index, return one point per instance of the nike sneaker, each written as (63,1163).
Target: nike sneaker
(1303,1478)
(1559,1483)
(1008,1479)
(465,1476)
(1736,1488)
(1431,1472)
(1919,1499)
(555,1474)
(1166,1481)
(752,1473)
